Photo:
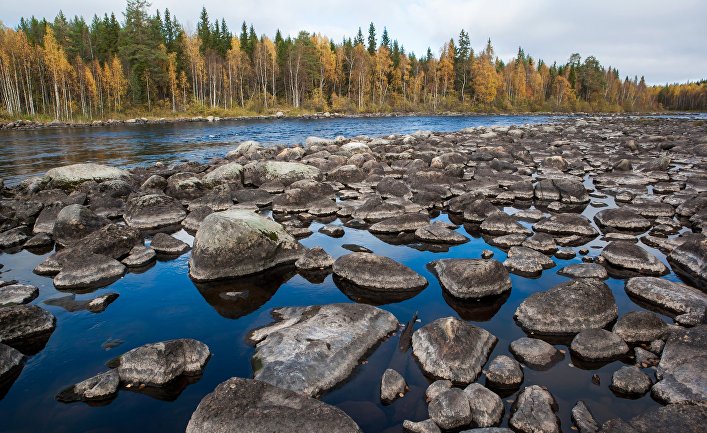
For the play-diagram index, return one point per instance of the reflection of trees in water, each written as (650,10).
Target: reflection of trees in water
(235,298)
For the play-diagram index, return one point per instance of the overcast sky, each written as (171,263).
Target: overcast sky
(663,40)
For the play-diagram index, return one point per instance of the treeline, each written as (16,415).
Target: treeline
(68,69)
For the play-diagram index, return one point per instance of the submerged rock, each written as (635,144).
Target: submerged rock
(251,406)
(311,349)
(568,308)
(157,364)
(449,348)
(103,386)
(472,278)
(378,273)
(236,243)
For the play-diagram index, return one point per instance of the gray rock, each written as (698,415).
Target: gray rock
(236,243)
(392,385)
(40,240)
(286,173)
(140,256)
(535,353)
(566,224)
(541,242)
(584,270)
(598,345)
(251,406)
(103,386)
(527,262)
(19,323)
(47,217)
(682,367)
(314,259)
(631,257)
(378,273)
(452,349)
(70,176)
(640,327)
(74,222)
(561,189)
(436,388)
(583,418)
(14,237)
(426,426)
(94,305)
(478,210)
(311,349)
(185,186)
(683,418)
(486,407)
(534,411)
(332,231)
(115,241)
(502,224)
(83,271)
(439,233)
(488,430)
(157,364)
(630,380)
(565,253)
(568,308)
(622,219)
(668,296)
(690,260)
(450,409)
(404,223)
(472,278)
(11,360)
(16,294)
(231,172)
(162,243)
(154,212)
(504,372)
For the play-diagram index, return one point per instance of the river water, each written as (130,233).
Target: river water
(163,303)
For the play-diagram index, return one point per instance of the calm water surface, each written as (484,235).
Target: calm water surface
(163,303)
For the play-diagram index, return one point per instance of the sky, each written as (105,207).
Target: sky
(665,41)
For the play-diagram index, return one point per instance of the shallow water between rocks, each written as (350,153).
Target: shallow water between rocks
(163,303)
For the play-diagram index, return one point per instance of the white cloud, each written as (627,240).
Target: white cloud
(662,40)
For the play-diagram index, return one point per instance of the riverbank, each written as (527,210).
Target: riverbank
(489,276)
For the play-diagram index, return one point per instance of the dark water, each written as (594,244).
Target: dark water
(162,303)
(33,152)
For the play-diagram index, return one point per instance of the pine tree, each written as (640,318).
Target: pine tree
(371,39)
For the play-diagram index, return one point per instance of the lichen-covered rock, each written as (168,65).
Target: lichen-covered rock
(568,308)
(236,243)
(19,323)
(640,327)
(583,418)
(534,411)
(426,426)
(486,406)
(535,353)
(682,370)
(403,223)
(88,271)
(689,259)
(436,388)
(251,406)
(668,296)
(16,294)
(598,345)
(311,349)
(631,257)
(527,262)
(630,380)
(70,176)
(584,270)
(502,224)
(450,409)
(472,278)
(622,219)
(504,372)
(157,364)
(74,222)
(227,173)
(103,386)
(439,233)
(314,259)
(166,244)
(153,212)
(258,173)
(449,348)
(566,224)
(378,273)
(392,385)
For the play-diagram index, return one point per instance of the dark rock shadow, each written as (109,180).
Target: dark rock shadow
(374,297)
(477,310)
(9,379)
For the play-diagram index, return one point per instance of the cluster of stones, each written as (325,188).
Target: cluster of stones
(108,221)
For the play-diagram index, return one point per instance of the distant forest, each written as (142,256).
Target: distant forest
(147,64)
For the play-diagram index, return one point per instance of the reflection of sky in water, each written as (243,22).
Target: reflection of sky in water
(163,303)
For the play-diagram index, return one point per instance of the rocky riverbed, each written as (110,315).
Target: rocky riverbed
(558,272)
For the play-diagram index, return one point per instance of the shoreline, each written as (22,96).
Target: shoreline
(22,124)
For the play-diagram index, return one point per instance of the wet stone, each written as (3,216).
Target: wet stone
(486,406)
(19,323)
(450,409)
(314,259)
(535,353)
(402,223)
(630,380)
(504,372)
(393,385)
(375,272)
(103,386)
(140,256)
(439,233)
(583,418)
(472,278)
(598,345)
(640,327)
(622,219)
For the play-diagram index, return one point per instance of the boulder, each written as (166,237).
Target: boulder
(140,256)
(668,296)
(231,172)
(535,353)
(527,262)
(163,243)
(622,219)
(436,388)
(378,273)
(533,411)
(82,271)
(561,189)
(583,418)
(630,380)
(472,278)
(251,406)
(157,364)
(314,259)
(640,327)
(486,407)
(504,372)
(403,223)
(311,349)
(452,349)
(426,426)
(20,323)
(682,369)
(103,386)
(236,243)
(689,260)
(568,308)
(11,361)
(258,173)
(70,176)
(630,257)
(154,212)
(392,385)
(584,270)
(450,409)
(74,222)
(598,345)
(439,233)
(16,294)
(502,224)
(566,224)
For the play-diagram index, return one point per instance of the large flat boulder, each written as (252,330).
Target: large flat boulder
(683,367)
(19,323)
(377,273)
(311,349)
(153,212)
(452,349)
(627,256)
(258,173)
(236,243)
(668,296)
(472,278)
(252,406)
(568,308)
(70,176)
(689,260)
